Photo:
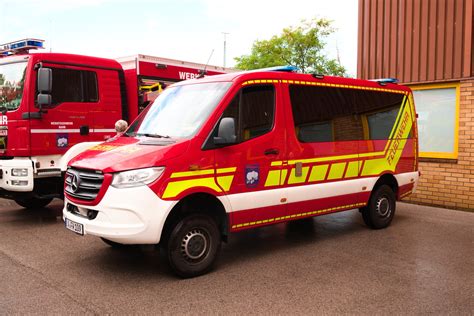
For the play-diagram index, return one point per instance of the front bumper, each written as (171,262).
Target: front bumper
(8,182)
(127,216)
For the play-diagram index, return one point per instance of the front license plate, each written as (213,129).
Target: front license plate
(75,227)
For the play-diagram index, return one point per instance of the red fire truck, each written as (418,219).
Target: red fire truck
(54,106)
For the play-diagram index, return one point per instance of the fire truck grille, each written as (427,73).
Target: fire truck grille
(83,184)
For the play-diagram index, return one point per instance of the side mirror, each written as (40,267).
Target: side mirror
(226,133)
(45,80)
(43,99)
(45,85)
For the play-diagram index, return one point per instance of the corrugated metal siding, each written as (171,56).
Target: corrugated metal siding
(416,40)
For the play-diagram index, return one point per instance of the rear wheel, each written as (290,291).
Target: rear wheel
(381,208)
(33,202)
(193,245)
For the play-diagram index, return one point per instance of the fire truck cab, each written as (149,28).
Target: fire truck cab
(237,151)
(53,106)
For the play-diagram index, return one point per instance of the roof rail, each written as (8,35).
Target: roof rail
(287,68)
(20,46)
(384,81)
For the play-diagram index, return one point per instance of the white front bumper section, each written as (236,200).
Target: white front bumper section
(127,216)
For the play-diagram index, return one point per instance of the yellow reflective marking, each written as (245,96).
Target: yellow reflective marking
(225,182)
(273,178)
(192,173)
(277,219)
(324,84)
(276,163)
(284,172)
(318,173)
(226,170)
(294,179)
(353,169)
(103,147)
(394,152)
(326,159)
(336,171)
(173,189)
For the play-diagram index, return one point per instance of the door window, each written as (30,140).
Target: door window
(253,110)
(70,85)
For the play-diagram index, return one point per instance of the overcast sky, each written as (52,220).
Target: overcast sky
(182,29)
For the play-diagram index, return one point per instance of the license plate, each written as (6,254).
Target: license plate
(75,227)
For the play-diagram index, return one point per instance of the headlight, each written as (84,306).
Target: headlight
(135,178)
(19,172)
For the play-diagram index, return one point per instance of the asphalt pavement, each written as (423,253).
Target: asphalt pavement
(333,264)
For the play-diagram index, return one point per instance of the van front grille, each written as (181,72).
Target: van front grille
(83,184)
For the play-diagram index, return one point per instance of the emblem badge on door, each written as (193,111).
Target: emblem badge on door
(251,175)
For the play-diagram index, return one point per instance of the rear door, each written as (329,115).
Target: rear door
(256,196)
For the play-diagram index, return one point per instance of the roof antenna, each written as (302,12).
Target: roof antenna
(203,72)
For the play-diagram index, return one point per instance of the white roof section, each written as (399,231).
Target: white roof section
(130,62)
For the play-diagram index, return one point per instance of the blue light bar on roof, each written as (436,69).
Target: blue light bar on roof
(20,46)
(280,68)
(385,80)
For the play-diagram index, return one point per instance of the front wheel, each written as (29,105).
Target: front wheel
(381,208)
(33,202)
(193,246)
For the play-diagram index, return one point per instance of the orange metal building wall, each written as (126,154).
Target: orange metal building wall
(416,40)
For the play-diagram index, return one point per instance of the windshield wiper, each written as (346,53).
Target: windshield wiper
(152,135)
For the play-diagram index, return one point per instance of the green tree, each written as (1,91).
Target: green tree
(301,46)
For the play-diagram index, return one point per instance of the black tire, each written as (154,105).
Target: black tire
(32,203)
(193,245)
(381,208)
(114,244)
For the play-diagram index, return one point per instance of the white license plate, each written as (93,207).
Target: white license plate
(75,227)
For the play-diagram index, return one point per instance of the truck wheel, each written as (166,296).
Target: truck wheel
(33,202)
(381,208)
(193,245)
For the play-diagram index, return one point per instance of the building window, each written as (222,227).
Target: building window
(438,119)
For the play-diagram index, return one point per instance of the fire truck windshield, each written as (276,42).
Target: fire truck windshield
(12,78)
(179,111)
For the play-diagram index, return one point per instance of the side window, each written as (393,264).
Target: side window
(381,123)
(253,110)
(71,85)
(323,114)
(380,109)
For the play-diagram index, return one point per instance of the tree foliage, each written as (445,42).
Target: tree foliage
(301,46)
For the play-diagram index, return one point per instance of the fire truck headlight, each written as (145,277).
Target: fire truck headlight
(20,172)
(135,178)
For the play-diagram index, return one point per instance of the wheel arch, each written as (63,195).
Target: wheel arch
(198,203)
(387,179)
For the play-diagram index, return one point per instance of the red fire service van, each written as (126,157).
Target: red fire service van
(230,152)
(54,105)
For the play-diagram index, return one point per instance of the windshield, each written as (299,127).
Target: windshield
(12,78)
(179,111)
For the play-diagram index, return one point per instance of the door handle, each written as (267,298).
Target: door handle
(271,151)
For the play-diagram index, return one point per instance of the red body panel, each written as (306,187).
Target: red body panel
(118,98)
(185,157)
